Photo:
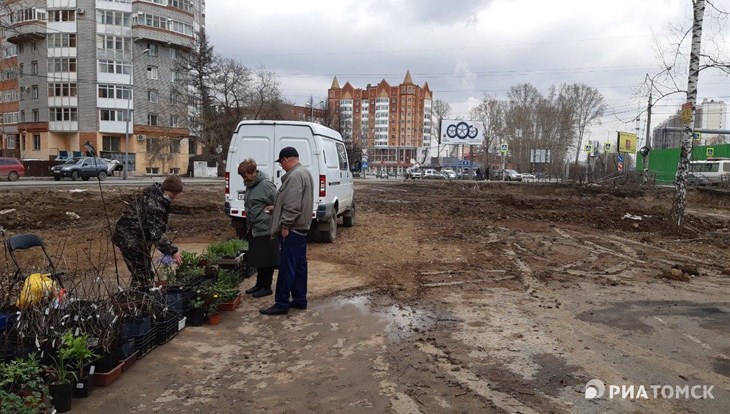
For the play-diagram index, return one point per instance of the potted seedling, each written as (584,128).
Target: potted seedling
(75,350)
(61,379)
(197,311)
(214,313)
(22,389)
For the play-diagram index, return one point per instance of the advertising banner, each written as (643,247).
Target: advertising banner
(454,131)
(626,142)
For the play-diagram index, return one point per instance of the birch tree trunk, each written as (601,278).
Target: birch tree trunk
(680,186)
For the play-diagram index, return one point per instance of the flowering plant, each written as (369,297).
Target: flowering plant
(166,271)
(213,305)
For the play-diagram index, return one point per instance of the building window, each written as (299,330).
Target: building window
(113,66)
(10,142)
(34,92)
(153,170)
(152,49)
(173,121)
(20,70)
(175,171)
(36,115)
(112,115)
(61,89)
(174,146)
(61,15)
(22,115)
(110,143)
(62,65)
(153,96)
(151,119)
(36,142)
(115,92)
(173,53)
(63,114)
(152,72)
(61,40)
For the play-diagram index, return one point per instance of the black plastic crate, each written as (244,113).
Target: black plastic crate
(174,299)
(167,329)
(146,342)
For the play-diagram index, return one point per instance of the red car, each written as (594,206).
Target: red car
(11,168)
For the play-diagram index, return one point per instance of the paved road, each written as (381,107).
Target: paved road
(38,182)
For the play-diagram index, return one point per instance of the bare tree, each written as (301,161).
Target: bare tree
(587,106)
(680,194)
(491,113)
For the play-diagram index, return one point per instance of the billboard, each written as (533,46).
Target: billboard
(626,142)
(455,131)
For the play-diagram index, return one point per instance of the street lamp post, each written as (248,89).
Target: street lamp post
(311,108)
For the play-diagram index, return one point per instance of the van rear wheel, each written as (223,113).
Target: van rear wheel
(349,219)
(329,235)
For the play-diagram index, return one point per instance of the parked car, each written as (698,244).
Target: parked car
(83,168)
(414,173)
(382,174)
(431,174)
(450,174)
(528,176)
(11,168)
(697,179)
(507,175)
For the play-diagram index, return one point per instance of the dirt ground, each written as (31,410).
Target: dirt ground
(445,297)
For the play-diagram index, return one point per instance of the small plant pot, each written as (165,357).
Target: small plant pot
(197,317)
(61,396)
(231,305)
(214,319)
(83,387)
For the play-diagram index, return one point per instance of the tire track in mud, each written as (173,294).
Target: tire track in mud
(587,359)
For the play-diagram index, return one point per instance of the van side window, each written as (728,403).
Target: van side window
(342,155)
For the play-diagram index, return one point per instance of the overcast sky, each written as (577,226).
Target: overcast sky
(468,48)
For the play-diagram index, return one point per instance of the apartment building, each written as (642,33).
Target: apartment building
(390,124)
(710,114)
(102,71)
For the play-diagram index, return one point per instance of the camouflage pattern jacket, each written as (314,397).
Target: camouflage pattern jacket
(144,223)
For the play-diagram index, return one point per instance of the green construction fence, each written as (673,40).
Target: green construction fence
(663,162)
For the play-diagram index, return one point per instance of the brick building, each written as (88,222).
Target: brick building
(390,124)
(101,71)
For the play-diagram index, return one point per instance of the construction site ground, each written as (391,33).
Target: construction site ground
(445,297)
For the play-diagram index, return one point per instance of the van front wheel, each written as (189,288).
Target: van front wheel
(329,235)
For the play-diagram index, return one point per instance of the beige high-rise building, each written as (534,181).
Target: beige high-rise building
(390,124)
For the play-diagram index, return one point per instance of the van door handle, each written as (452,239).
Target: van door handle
(278,174)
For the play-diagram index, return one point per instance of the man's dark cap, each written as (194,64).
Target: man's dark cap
(287,152)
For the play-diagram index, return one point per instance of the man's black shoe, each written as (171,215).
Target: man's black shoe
(274,310)
(295,306)
(253,289)
(262,292)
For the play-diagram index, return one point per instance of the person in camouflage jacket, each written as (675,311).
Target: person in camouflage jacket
(142,226)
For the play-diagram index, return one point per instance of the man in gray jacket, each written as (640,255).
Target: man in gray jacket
(292,216)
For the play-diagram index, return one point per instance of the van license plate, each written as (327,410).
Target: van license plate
(241,196)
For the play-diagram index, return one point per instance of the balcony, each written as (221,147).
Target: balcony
(141,32)
(27,31)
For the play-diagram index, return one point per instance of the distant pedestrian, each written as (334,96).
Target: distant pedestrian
(263,250)
(292,216)
(479,174)
(142,226)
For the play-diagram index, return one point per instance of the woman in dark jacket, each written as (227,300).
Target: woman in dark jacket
(263,251)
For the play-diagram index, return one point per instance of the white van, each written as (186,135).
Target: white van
(320,149)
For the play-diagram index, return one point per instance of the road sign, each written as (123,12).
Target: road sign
(607,147)
(364,165)
(710,152)
(686,115)
(588,148)
(620,166)
(620,158)
(697,136)
(504,148)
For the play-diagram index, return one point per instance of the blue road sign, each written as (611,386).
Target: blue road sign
(620,158)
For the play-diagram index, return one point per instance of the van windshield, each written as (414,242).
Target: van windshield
(704,167)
